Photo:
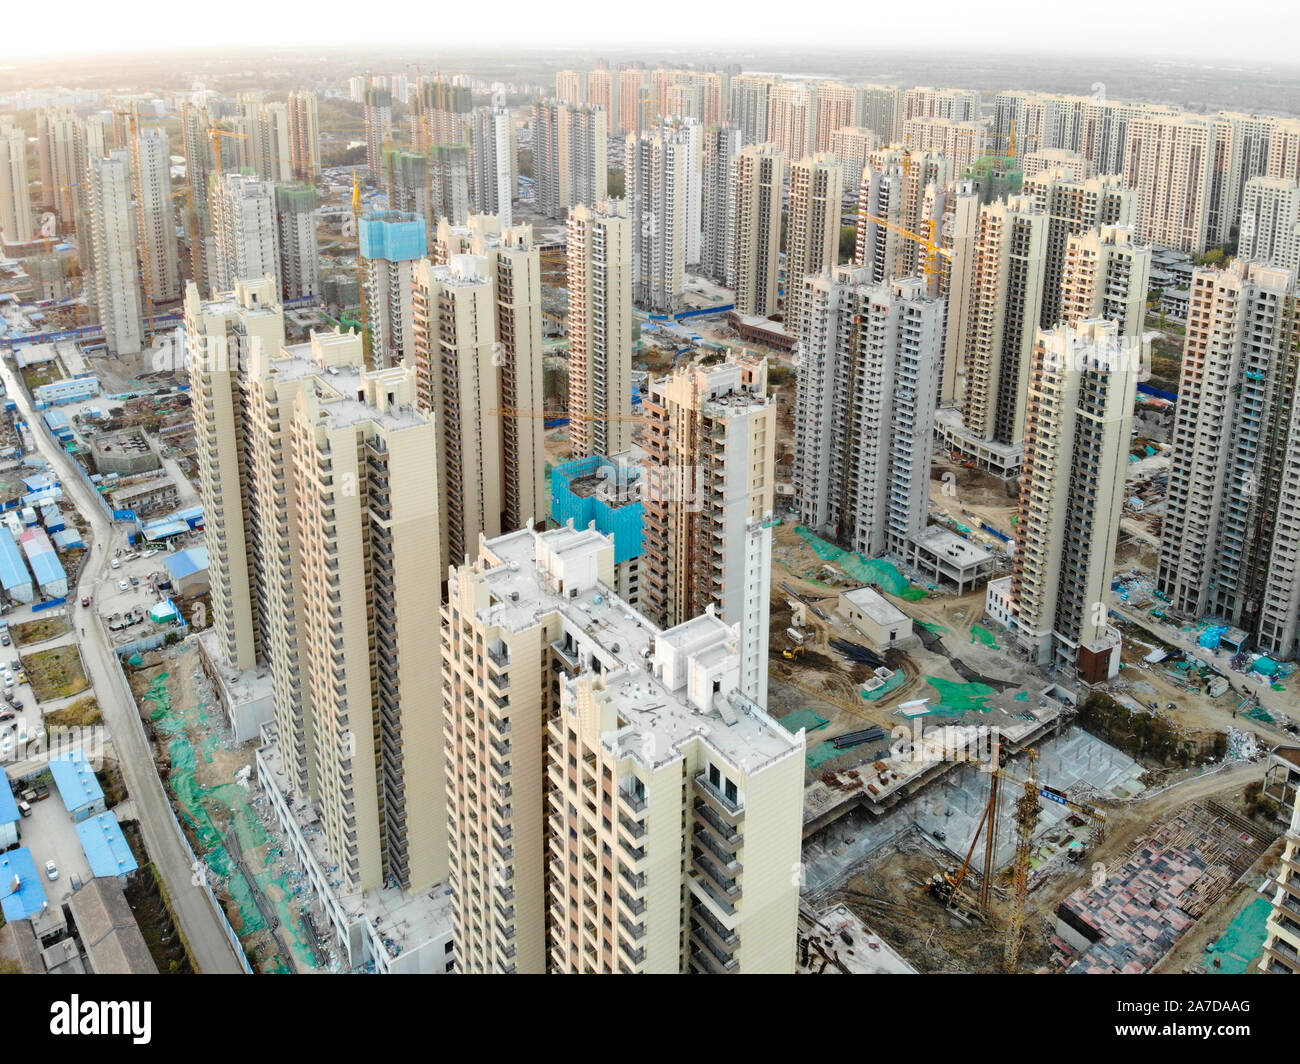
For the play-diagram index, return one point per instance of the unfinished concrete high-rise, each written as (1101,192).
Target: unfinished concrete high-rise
(378,128)
(297,245)
(600,278)
(392,243)
(1282,932)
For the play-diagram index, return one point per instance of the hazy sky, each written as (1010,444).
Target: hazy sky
(1266,31)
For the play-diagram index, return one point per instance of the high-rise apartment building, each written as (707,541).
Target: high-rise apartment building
(710,445)
(160,264)
(1231,529)
(449,183)
(116,271)
(879,108)
(813,233)
(1073,206)
(304,136)
(1072,494)
(852,145)
(836,109)
(493,159)
(198,149)
(600,278)
(721,144)
(570,153)
(655,172)
(602,91)
(688,867)
(1270,222)
(571,86)
(513,262)
(296,241)
(1169,163)
(633,93)
(324,481)
(689,134)
(755,238)
(792,118)
(243,224)
(1106,277)
(961,143)
(865,402)
(440,113)
(392,244)
(408,185)
(956,105)
(378,126)
(1282,932)
(60,149)
(1002,325)
(15,191)
(266,142)
(750,107)
(891,200)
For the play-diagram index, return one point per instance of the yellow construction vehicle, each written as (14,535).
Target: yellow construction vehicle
(790,653)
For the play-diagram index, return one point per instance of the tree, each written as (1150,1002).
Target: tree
(848,242)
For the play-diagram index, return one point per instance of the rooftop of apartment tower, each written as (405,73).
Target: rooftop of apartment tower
(624,641)
(342,386)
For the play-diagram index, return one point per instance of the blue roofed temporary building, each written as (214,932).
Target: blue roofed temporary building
(105,846)
(14,575)
(46,495)
(606,492)
(39,481)
(188,569)
(192,516)
(57,422)
(67,539)
(9,817)
(71,390)
(22,895)
(81,793)
(46,567)
(164,612)
(164,528)
(52,518)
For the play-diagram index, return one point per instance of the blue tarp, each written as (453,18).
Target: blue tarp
(29,899)
(105,846)
(1213,636)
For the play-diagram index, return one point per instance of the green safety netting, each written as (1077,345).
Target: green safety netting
(957,698)
(821,753)
(802,718)
(1243,941)
(865,570)
(930,626)
(207,809)
(980,634)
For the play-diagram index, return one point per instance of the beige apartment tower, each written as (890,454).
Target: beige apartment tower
(813,233)
(757,182)
(710,442)
(320,487)
(634,812)
(600,275)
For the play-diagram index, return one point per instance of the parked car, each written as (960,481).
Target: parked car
(75,880)
(51,870)
(7,714)
(4,640)
(16,665)
(116,564)
(85,601)
(135,581)
(122,585)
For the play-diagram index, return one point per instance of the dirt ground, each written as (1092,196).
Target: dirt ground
(888,891)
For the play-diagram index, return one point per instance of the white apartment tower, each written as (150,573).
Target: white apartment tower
(570,154)
(15,194)
(721,145)
(865,404)
(656,176)
(243,223)
(117,277)
(493,159)
(155,222)
(1270,222)
(600,279)
(750,107)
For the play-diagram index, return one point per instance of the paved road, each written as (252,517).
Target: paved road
(209,946)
